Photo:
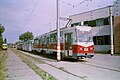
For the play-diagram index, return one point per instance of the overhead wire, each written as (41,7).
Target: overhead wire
(67,3)
(31,13)
(73,6)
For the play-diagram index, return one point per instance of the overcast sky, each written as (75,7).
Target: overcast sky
(38,16)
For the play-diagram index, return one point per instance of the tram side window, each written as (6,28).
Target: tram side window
(61,36)
(71,37)
(35,40)
(44,39)
(53,37)
(61,33)
(40,40)
(47,40)
(101,40)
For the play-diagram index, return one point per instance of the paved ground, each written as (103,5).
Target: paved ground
(101,67)
(54,71)
(18,70)
(106,59)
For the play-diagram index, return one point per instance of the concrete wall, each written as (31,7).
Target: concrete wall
(91,15)
(102,48)
(100,31)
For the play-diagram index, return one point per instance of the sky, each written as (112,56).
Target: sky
(39,16)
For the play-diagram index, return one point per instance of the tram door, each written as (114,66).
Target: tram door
(47,46)
(68,44)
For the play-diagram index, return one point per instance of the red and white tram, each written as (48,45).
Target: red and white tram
(75,42)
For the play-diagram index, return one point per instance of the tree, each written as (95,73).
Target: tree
(5,40)
(1,41)
(26,36)
(2,29)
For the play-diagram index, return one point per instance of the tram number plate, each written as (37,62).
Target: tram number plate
(85,49)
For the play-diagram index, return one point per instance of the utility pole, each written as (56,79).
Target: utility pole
(111,29)
(58,31)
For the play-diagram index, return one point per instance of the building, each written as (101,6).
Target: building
(117,26)
(99,19)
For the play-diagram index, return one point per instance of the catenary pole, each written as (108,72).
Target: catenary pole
(58,31)
(111,30)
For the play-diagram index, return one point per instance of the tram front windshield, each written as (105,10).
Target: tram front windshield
(84,36)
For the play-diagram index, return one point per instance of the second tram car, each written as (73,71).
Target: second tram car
(27,45)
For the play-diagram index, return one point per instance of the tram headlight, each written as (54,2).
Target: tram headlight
(91,48)
(81,48)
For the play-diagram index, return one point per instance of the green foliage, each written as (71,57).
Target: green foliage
(26,36)
(5,40)
(116,54)
(16,43)
(2,29)
(1,40)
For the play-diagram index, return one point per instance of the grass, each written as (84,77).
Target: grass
(44,75)
(53,57)
(116,54)
(3,57)
(0,49)
(46,55)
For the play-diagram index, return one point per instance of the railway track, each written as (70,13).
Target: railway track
(30,61)
(97,65)
(41,60)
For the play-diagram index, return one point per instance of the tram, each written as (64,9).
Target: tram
(75,42)
(4,46)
